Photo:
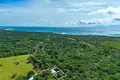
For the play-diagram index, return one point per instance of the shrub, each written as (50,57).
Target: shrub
(13,76)
(16,63)
(30,74)
(0,65)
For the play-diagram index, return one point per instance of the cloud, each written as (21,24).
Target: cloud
(89,22)
(3,10)
(71,23)
(48,1)
(61,10)
(116,21)
(13,10)
(6,11)
(87,4)
(77,9)
(42,20)
(45,21)
(83,22)
(74,10)
(93,22)
(104,21)
(109,10)
(58,12)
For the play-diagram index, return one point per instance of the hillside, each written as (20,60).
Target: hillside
(80,57)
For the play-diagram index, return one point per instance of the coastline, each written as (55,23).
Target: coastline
(66,30)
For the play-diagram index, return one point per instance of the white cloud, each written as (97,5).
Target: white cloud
(44,21)
(87,4)
(116,20)
(14,10)
(52,12)
(83,22)
(2,10)
(5,10)
(89,22)
(104,21)
(74,10)
(93,22)
(48,1)
(77,9)
(61,10)
(109,10)
(71,23)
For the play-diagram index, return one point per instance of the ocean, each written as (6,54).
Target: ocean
(98,30)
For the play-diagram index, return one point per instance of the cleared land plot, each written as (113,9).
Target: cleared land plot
(115,44)
(14,65)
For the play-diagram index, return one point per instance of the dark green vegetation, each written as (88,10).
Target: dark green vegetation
(80,57)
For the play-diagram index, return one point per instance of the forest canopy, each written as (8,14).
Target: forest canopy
(81,57)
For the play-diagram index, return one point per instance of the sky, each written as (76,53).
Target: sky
(59,12)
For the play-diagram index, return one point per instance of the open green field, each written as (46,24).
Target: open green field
(114,44)
(9,67)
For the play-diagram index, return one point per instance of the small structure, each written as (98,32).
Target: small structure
(57,73)
(31,78)
(53,72)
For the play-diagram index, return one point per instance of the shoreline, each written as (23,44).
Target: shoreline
(63,33)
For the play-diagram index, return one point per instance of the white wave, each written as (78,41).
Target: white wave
(9,29)
(63,33)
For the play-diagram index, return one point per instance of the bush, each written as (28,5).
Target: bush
(30,74)
(21,78)
(13,76)
(0,65)
(16,63)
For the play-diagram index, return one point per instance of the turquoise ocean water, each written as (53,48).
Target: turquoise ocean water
(98,30)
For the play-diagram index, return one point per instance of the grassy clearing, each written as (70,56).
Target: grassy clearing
(115,44)
(9,67)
